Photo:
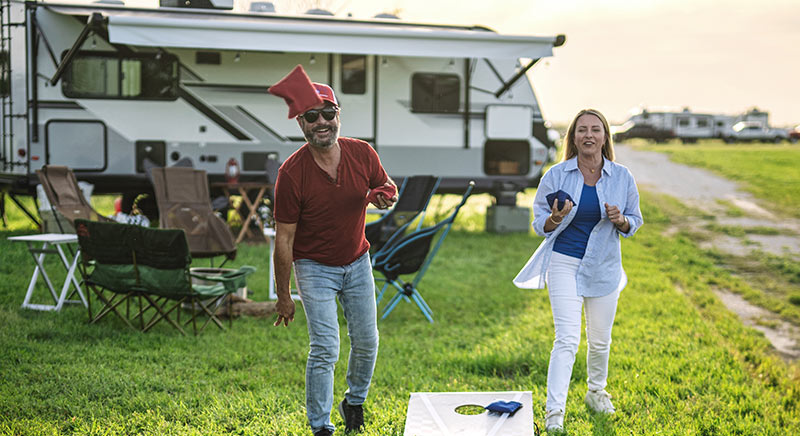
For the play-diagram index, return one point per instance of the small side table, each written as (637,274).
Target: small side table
(252,206)
(38,248)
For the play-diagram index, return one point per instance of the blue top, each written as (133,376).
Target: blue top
(572,241)
(600,272)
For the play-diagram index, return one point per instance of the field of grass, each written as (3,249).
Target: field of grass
(681,364)
(768,171)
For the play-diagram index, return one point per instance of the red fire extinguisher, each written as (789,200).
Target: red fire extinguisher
(232,171)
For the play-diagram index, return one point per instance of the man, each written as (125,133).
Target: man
(320,199)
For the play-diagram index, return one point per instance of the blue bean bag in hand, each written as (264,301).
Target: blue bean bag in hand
(561,196)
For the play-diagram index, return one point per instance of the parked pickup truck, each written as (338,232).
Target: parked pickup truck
(794,134)
(754,131)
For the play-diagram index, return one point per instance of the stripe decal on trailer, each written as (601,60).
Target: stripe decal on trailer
(211,114)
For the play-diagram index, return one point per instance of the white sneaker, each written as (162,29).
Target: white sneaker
(554,420)
(600,401)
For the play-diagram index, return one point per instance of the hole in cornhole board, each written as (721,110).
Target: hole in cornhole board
(470,409)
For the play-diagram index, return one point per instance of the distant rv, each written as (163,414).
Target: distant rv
(689,127)
(103,88)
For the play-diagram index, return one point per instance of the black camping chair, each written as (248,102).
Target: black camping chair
(149,270)
(414,196)
(412,253)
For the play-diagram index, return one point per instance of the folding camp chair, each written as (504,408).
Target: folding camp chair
(412,253)
(126,265)
(66,199)
(414,195)
(184,203)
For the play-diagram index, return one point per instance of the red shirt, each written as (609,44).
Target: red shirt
(329,214)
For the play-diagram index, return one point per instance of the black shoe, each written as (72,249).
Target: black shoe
(353,416)
(323,432)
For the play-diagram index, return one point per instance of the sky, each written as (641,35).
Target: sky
(712,56)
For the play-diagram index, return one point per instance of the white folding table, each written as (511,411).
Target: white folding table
(52,243)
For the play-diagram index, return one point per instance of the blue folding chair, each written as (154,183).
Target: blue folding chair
(414,194)
(411,253)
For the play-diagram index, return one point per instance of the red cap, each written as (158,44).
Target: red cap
(298,92)
(326,93)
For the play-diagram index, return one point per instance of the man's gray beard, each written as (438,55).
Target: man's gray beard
(323,145)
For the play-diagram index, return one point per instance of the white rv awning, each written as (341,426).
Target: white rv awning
(219,31)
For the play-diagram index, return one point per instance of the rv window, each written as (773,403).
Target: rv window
(437,93)
(107,75)
(208,57)
(683,122)
(702,122)
(354,74)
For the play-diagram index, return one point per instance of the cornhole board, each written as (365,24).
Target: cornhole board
(434,414)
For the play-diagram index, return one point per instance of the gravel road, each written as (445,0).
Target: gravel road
(701,189)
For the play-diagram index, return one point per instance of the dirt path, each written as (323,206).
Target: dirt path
(703,190)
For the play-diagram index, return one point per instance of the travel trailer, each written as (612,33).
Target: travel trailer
(661,126)
(104,88)
(688,126)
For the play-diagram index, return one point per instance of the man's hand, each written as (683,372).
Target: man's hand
(285,309)
(383,202)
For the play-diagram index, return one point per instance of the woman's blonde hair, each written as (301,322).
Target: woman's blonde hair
(570,150)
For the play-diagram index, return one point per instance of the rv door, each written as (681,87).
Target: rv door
(354,84)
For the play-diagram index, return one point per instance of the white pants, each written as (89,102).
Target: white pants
(566,306)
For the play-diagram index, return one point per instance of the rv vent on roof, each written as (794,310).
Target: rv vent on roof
(110,2)
(387,16)
(262,7)
(316,11)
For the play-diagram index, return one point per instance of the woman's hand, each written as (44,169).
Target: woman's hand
(557,215)
(617,218)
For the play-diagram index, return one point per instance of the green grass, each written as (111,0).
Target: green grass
(740,231)
(770,172)
(731,209)
(681,364)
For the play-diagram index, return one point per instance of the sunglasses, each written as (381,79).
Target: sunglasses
(328,113)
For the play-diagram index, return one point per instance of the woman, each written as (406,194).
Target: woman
(580,258)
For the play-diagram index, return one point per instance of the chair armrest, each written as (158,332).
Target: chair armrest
(243,271)
(231,280)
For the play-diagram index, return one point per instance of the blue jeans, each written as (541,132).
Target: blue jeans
(319,286)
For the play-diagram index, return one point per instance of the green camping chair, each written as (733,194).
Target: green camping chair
(148,269)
